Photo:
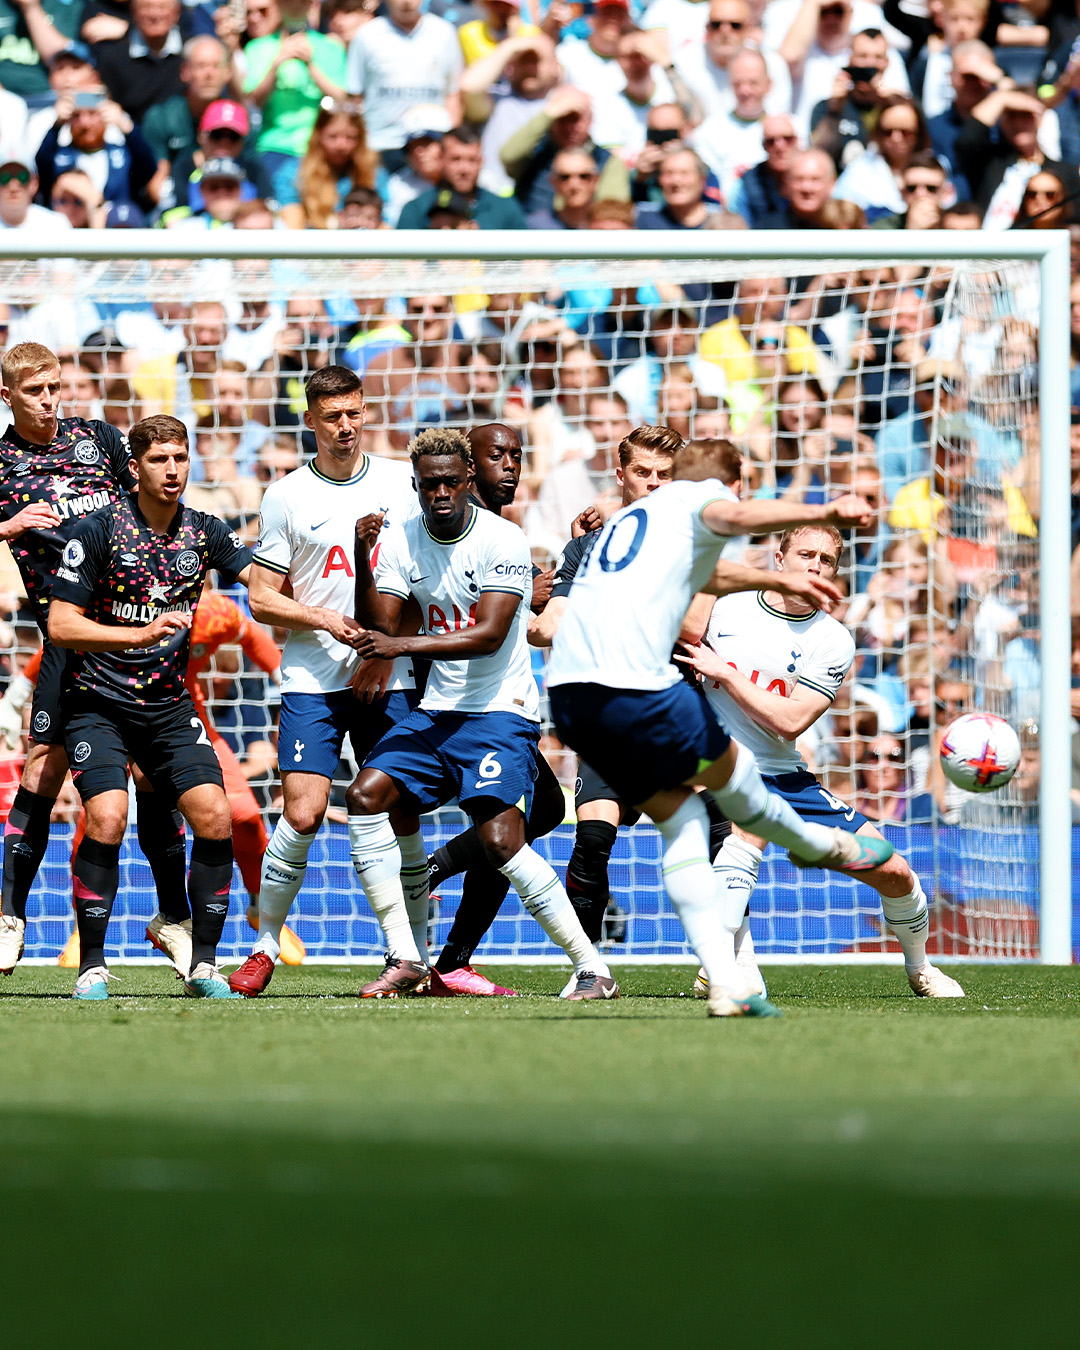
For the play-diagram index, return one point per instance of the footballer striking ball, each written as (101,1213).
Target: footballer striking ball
(979,752)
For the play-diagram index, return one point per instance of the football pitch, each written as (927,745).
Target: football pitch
(307,1169)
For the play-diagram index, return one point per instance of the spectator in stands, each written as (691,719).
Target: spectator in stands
(672,340)
(884,794)
(999,171)
(731,142)
(564,124)
(289,72)
(665,123)
(623,118)
(416,382)
(1043,205)
(502,21)
(171,127)
(143,67)
(975,75)
(398,60)
(80,395)
(704,63)
(962,216)
(221,187)
(18,188)
(895,596)
(505,89)
(922,188)
(590,63)
(759,193)
(223,134)
(961,21)
(817,46)
(808,184)
(846,119)
(574,176)
(731,343)
(557,427)
(70,71)
(1059,82)
(231,410)
(873,181)
(34,34)
(94,134)
(361,210)
(904,441)
(423,127)
(336,161)
(75,196)
(218,485)
(803,446)
(462,162)
(577,483)
(343,19)
(682,176)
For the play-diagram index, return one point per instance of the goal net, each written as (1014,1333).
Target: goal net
(913,382)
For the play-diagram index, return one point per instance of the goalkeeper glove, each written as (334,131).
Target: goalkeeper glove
(11,709)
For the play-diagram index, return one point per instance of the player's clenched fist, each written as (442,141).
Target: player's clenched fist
(368,527)
(375,644)
(850,510)
(162,628)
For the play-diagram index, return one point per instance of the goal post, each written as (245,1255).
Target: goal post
(135,265)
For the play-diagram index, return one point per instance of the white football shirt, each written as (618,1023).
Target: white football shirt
(447,578)
(776,651)
(307,525)
(627,603)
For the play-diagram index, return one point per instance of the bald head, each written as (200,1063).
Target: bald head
(496,452)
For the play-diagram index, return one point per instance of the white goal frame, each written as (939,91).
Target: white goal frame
(1049,249)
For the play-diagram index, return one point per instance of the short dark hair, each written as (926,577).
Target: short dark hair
(362,196)
(925,159)
(712,458)
(963,208)
(161,429)
(332,381)
(663,440)
(441,441)
(466,133)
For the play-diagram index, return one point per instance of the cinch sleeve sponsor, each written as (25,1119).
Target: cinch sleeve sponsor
(507,566)
(830,662)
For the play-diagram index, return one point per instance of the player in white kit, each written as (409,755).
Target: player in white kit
(619,701)
(302,579)
(475,735)
(770,666)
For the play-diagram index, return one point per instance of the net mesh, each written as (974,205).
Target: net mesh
(912,384)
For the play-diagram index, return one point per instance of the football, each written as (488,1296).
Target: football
(979,752)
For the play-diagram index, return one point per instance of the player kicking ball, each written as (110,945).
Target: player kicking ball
(128,585)
(771,664)
(618,700)
(475,734)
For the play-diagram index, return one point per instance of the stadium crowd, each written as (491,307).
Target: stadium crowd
(679,114)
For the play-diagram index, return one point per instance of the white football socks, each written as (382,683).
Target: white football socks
(746,800)
(543,895)
(414,882)
(736,867)
(909,918)
(377,860)
(695,893)
(282,876)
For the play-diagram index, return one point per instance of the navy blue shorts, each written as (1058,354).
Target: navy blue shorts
(46,721)
(805,795)
(439,757)
(639,741)
(313,727)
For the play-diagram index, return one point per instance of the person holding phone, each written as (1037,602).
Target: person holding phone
(848,115)
(94,134)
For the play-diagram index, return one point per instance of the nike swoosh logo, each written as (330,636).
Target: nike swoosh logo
(487,782)
(321,524)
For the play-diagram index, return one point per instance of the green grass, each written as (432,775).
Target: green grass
(307,1169)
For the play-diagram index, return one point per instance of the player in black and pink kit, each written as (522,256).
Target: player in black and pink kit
(127,588)
(54,471)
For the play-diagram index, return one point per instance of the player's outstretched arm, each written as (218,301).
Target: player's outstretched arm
(544,626)
(270,605)
(786,717)
(495,611)
(70,627)
(754,517)
(729,577)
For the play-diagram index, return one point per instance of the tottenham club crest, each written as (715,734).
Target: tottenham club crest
(188,563)
(74,553)
(82,752)
(86,452)
(42,722)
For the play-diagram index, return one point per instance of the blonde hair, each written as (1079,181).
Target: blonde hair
(317,182)
(26,358)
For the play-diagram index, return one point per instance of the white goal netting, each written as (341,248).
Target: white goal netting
(914,384)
